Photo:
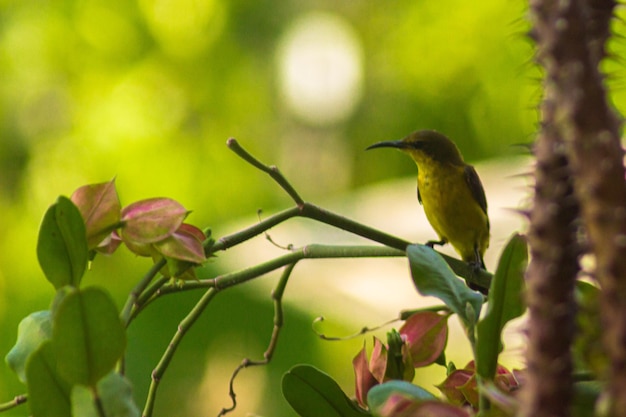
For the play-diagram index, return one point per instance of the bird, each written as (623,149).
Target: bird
(451,193)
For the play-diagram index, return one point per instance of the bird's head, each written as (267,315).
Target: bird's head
(426,144)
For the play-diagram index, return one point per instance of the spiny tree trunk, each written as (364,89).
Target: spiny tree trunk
(571,37)
(551,276)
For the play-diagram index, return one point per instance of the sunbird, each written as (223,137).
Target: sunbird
(450,191)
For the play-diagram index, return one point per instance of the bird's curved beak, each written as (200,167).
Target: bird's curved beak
(398,144)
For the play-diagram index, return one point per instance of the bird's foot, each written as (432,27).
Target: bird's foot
(476,267)
(431,243)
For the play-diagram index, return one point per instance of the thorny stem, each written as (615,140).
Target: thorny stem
(277,296)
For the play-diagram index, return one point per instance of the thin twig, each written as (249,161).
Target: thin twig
(405,314)
(165,360)
(146,297)
(138,289)
(273,171)
(364,330)
(308,210)
(277,296)
(19,399)
(314,251)
(142,295)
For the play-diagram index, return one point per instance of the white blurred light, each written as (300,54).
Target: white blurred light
(320,68)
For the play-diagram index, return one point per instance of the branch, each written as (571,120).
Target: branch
(311,211)
(273,171)
(277,296)
(19,399)
(307,252)
(161,367)
(138,289)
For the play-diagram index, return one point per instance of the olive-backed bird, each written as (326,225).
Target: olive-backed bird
(450,191)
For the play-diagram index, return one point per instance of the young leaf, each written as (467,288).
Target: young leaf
(399,406)
(100,207)
(87,336)
(152,220)
(62,244)
(459,387)
(32,331)
(426,333)
(185,244)
(364,380)
(504,304)
(115,395)
(312,393)
(379,394)
(48,393)
(432,276)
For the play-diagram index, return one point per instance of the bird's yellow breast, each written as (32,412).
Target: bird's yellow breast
(451,208)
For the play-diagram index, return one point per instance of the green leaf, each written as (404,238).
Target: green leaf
(378,395)
(87,336)
(32,331)
(48,393)
(62,245)
(505,303)
(115,395)
(432,276)
(312,393)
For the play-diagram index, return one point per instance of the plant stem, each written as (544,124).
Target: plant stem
(98,402)
(311,211)
(314,251)
(145,298)
(138,289)
(165,360)
(250,232)
(271,170)
(19,399)
(277,296)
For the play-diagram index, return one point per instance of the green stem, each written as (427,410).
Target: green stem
(165,360)
(250,232)
(19,399)
(405,314)
(138,289)
(311,211)
(98,402)
(146,297)
(273,171)
(277,296)
(314,251)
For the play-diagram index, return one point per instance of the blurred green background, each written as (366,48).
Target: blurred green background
(149,91)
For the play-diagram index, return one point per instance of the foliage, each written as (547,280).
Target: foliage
(384,386)
(67,355)
(71,356)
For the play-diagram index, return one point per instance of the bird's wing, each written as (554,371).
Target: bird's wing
(476,187)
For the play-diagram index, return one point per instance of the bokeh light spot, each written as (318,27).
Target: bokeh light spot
(320,68)
(184,28)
